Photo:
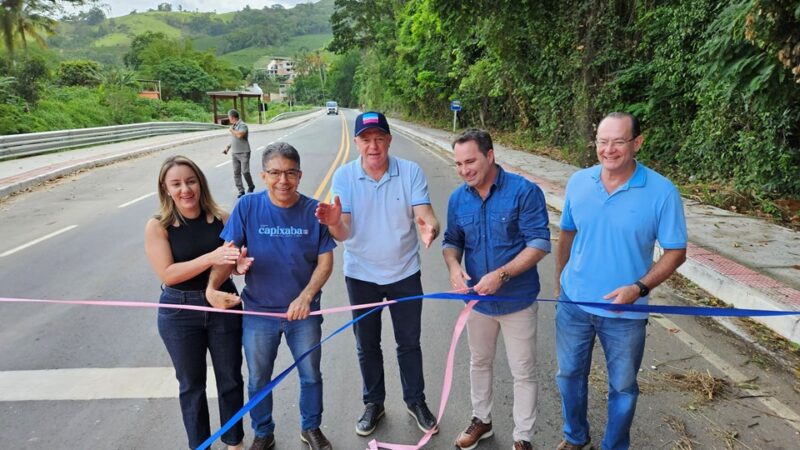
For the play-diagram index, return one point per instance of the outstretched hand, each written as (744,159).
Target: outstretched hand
(329,214)
(426,231)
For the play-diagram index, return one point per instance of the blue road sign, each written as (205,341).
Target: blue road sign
(455,105)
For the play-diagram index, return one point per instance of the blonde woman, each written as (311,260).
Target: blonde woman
(182,243)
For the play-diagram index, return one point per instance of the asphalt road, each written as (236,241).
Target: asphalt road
(94,377)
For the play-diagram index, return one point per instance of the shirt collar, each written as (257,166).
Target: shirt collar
(637,180)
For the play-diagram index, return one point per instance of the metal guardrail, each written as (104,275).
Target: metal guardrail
(29,144)
(287,115)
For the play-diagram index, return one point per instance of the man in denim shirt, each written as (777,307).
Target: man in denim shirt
(498,222)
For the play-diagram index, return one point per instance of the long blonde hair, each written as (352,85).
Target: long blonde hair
(168,210)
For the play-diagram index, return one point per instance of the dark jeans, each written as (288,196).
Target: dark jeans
(187,336)
(406,318)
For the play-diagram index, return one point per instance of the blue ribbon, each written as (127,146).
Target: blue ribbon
(275,381)
(662,309)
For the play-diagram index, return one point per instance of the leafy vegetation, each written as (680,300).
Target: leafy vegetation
(241,37)
(42,90)
(716,84)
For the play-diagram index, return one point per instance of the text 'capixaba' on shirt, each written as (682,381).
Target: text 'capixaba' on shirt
(274,231)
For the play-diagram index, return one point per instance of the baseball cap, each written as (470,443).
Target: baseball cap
(369,120)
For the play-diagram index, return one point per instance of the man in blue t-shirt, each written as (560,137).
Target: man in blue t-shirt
(378,200)
(613,215)
(292,258)
(497,221)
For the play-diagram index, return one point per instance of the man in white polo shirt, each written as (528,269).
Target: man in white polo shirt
(378,199)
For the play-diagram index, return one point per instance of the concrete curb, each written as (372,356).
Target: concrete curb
(731,282)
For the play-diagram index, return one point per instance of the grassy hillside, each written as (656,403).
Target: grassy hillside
(247,38)
(260,56)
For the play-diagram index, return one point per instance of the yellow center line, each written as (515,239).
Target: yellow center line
(344,161)
(324,183)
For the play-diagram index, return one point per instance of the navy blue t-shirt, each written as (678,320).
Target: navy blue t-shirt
(285,242)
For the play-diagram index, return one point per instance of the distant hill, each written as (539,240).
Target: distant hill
(247,38)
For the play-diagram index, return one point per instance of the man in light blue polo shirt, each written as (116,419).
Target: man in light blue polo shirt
(377,201)
(613,215)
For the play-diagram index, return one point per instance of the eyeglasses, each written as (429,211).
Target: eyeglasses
(291,174)
(615,143)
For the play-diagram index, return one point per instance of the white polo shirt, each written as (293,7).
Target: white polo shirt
(383,247)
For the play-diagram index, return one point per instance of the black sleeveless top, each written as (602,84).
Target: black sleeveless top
(194,238)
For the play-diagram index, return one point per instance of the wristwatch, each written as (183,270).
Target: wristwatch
(643,289)
(505,277)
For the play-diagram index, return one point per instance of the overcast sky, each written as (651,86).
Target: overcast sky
(123,7)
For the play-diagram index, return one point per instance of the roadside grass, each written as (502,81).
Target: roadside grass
(704,387)
(684,441)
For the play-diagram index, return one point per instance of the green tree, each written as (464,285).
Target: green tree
(117,78)
(341,78)
(140,43)
(95,16)
(81,72)
(31,73)
(24,19)
(183,79)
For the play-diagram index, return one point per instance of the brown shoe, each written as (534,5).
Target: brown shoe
(475,432)
(315,439)
(522,445)
(564,445)
(263,443)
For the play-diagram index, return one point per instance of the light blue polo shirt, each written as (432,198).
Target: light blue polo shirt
(383,246)
(616,233)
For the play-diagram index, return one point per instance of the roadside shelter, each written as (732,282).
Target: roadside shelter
(238,98)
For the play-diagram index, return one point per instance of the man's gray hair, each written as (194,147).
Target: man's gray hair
(233,113)
(283,149)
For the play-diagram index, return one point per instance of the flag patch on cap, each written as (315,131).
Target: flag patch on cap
(370,118)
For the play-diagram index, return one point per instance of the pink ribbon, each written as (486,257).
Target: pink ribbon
(461,322)
(126,304)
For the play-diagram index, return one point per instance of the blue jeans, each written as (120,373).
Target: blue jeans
(261,338)
(623,345)
(406,321)
(188,335)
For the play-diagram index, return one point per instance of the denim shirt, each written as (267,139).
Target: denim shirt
(492,232)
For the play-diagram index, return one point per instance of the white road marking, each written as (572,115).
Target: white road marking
(136,200)
(223,163)
(93,384)
(731,372)
(36,241)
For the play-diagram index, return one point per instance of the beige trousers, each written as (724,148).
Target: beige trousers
(519,336)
